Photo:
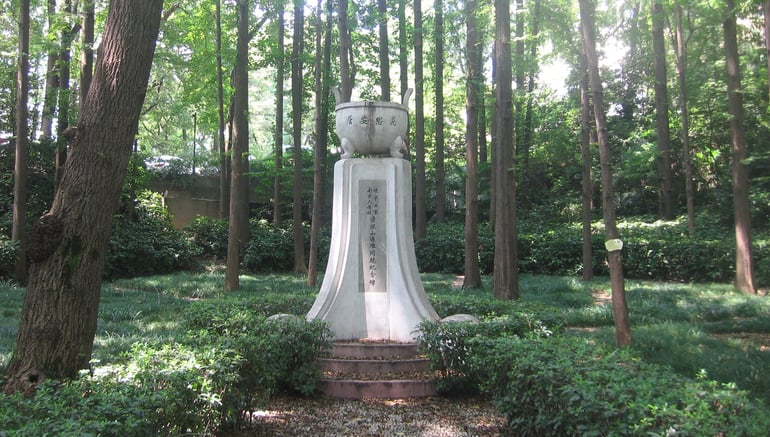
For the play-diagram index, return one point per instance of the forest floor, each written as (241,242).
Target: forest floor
(427,417)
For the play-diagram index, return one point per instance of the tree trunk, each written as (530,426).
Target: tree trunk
(63,101)
(278,138)
(665,173)
(19,220)
(58,320)
(48,111)
(473,82)
(237,228)
(87,53)
(296,109)
(403,53)
(322,67)
(382,11)
(587,183)
(689,173)
(438,37)
(224,167)
(619,306)
(766,8)
(506,275)
(744,270)
(346,77)
(419,127)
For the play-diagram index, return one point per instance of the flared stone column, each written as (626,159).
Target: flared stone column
(372,289)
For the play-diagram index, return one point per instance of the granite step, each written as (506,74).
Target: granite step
(367,370)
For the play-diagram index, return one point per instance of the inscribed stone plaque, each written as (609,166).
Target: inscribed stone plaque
(373,234)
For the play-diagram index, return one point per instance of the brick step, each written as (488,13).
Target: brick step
(364,370)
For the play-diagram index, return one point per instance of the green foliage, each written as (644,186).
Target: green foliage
(271,248)
(7,255)
(210,235)
(146,243)
(561,385)
(443,249)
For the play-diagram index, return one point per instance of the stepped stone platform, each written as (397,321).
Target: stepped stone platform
(376,370)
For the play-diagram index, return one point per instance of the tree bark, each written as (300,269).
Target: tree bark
(766,10)
(419,127)
(438,37)
(87,54)
(58,320)
(19,219)
(278,138)
(382,12)
(346,77)
(403,53)
(587,183)
(689,173)
(224,162)
(238,222)
(296,109)
(744,269)
(665,173)
(619,306)
(506,275)
(473,82)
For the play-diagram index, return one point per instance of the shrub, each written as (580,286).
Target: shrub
(210,235)
(271,248)
(567,386)
(147,243)
(7,255)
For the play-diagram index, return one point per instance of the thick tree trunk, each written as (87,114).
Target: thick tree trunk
(506,275)
(87,53)
(346,77)
(238,222)
(619,306)
(472,86)
(744,269)
(296,108)
(419,127)
(58,320)
(665,173)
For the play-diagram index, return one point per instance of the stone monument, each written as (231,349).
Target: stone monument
(371,288)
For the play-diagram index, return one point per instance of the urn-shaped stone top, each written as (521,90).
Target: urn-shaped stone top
(372,128)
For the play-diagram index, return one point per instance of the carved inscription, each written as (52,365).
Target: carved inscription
(373,235)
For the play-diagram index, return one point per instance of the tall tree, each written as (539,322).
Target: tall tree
(346,76)
(68,35)
(506,275)
(419,126)
(439,168)
(587,164)
(322,68)
(238,222)
(278,135)
(665,172)
(766,10)
(382,15)
(689,173)
(19,220)
(87,50)
(744,269)
(68,244)
(473,84)
(403,52)
(224,162)
(296,112)
(619,306)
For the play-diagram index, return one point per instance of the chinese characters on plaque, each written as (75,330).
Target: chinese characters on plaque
(373,235)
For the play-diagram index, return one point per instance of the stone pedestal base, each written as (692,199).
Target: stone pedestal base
(372,289)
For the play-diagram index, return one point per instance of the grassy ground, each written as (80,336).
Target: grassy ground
(693,328)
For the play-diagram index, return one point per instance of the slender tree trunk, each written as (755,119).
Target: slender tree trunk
(403,52)
(472,86)
(438,36)
(665,173)
(689,173)
(64,99)
(296,109)
(224,166)
(518,99)
(506,275)
(619,306)
(19,220)
(766,9)
(279,75)
(346,77)
(87,51)
(744,269)
(527,129)
(587,183)
(382,11)
(322,67)
(59,315)
(50,94)
(237,228)
(419,127)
